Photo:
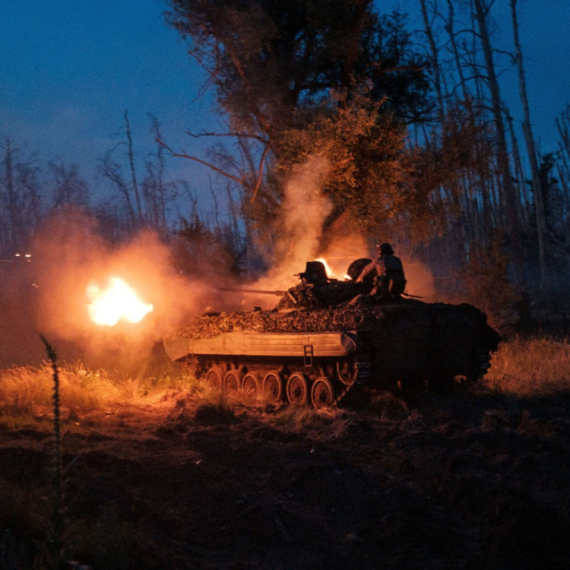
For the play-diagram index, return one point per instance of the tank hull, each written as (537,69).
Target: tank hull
(339,349)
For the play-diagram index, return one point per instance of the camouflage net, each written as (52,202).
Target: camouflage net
(322,320)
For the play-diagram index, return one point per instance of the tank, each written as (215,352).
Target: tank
(327,340)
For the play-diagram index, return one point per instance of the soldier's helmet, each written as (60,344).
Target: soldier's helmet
(385,249)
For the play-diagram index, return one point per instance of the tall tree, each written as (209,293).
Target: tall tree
(145,197)
(538,190)
(511,205)
(20,197)
(69,187)
(289,75)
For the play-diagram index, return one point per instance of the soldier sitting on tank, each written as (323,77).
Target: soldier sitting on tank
(390,280)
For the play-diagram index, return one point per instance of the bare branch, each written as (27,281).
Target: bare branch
(183,154)
(230,134)
(260,177)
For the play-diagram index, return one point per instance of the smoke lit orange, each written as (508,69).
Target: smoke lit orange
(115,302)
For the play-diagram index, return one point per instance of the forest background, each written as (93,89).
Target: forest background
(336,108)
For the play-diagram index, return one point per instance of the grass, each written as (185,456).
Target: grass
(530,367)
(521,368)
(28,391)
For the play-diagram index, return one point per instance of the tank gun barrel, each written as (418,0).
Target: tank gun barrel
(260,291)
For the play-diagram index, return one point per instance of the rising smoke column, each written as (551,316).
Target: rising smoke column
(300,228)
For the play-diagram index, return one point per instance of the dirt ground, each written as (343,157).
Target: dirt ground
(469,481)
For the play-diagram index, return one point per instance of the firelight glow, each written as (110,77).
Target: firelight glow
(330,271)
(115,302)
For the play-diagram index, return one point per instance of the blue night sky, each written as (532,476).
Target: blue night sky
(70,68)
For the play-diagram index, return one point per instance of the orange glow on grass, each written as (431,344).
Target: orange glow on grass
(115,302)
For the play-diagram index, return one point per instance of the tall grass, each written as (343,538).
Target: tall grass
(28,391)
(530,367)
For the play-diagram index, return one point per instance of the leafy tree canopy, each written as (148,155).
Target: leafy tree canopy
(268,57)
(315,77)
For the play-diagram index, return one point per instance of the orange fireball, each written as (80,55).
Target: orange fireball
(115,302)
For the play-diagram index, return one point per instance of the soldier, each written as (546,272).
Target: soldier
(390,278)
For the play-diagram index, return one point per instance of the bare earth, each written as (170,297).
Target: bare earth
(462,481)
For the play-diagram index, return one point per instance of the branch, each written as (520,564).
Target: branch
(230,134)
(260,177)
(211,166)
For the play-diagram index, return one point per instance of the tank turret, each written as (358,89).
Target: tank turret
(318,291)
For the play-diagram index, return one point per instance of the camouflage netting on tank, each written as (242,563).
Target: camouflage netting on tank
(323,320)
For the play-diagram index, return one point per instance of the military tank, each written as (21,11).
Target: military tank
(327,340)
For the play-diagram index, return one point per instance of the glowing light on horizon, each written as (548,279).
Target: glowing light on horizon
(118,301)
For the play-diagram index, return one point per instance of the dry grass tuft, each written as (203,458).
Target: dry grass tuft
(530,367)
(301,419)
(28,391)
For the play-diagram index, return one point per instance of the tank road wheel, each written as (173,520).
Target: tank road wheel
(297,389)
(322,393)
(251,386)
(214,377)
(273,386)
(232,381)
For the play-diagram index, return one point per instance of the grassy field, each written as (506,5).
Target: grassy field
(156,471)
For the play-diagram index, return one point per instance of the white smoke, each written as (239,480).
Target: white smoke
(303,211)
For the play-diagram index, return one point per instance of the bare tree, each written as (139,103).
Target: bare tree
(112,170)
(510,206)
(437,73)
(69,187)
(538,191)
(19,196)
(142,185)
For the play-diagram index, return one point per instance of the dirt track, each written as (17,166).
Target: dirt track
(458,482)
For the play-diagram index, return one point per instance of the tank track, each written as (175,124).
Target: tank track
(353,394)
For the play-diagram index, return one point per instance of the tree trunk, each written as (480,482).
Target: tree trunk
(539,205)
(510,207)
(14,217)
(133,171)
(435,59)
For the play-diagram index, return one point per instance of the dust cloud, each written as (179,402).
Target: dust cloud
(303,210)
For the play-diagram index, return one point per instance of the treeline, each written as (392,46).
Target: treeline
(506,196)
(139,193)
(422,147)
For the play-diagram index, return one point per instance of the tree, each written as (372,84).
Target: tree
(69,187)
(290,77)
(537,187)
(511,205)
(266,57)
(144,198)
(20,197)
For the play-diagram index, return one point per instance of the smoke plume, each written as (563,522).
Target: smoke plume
(50,296)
